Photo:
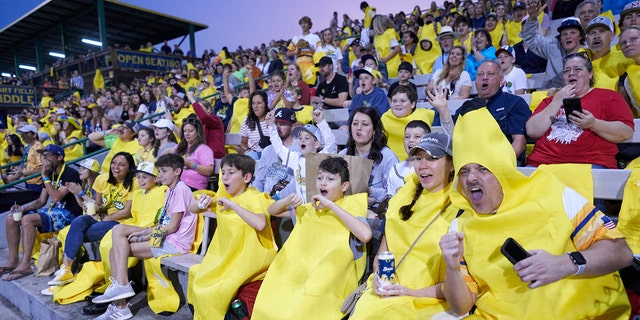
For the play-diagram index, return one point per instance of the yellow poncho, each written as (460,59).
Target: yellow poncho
(533,213)
(315,270)
(394,127)
(237,255)
(423,266)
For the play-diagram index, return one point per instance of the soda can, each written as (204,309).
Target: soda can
(387,268)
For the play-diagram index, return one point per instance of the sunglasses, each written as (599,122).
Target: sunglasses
(581,54)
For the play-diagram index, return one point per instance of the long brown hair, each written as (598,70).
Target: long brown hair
(457,71)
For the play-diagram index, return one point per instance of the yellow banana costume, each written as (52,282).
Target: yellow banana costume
(532,212)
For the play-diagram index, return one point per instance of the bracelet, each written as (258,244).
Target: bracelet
(81,193)
(195,166)
(46,179)
(104,133)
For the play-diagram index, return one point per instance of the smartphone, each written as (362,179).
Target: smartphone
(571,105)
(513,251)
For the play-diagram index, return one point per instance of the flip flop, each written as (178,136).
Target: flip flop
(5,270)
(15,275)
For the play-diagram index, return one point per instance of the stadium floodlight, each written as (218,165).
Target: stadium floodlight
(92,42)
(26,67)
(5,74)
(57,54)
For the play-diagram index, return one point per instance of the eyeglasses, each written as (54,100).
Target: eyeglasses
(581,54)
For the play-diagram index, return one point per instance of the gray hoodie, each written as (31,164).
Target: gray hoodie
(547,48)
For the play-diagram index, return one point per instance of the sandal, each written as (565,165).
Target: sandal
(5,270)
(15,275)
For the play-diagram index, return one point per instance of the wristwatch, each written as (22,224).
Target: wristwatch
(578,259)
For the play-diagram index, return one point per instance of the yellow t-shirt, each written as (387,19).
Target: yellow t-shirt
(145,206)
(383,47)
(514,29)
(114,197)
(305,115)
(119,145)
(607,70)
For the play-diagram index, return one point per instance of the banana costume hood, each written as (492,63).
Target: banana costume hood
(539,212)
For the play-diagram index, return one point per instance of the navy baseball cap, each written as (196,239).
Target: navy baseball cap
(52,148)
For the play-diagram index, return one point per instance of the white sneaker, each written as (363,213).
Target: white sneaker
(62,276)
(48,291)
(115,292)
(114,313)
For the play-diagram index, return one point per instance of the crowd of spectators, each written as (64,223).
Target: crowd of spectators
(274,97)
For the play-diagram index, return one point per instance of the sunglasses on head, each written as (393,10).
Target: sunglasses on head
(581,54)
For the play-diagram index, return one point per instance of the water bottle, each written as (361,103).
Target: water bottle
(240,309)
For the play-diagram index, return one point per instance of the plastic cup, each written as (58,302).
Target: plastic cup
(16,211)
(91,208)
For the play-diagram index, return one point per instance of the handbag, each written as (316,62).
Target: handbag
(48,258)
(349,304)
(264,140)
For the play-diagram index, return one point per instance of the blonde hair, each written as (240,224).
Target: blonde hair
(457,71)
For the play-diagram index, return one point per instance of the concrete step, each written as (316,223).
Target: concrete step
(21,299)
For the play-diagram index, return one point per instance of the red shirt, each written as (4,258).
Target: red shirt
(213,130)
(566,143)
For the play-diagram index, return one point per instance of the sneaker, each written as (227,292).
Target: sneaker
(48,291)
(62,276)
(115,292)
(114,313)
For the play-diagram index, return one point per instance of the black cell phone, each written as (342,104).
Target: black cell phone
(513,251)
(571,105)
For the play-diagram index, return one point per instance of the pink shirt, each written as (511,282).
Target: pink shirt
(203,156)
(178,200)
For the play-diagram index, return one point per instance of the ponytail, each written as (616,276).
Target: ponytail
(406,211)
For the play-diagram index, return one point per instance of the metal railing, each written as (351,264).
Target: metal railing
(85,156)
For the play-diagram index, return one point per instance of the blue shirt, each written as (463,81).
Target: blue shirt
(377,99)
(510,111)
(489,53)
(440,61)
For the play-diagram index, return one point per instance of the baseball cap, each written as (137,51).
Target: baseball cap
(89,164)
(44,136)
(27,128)
(600,21)
(355,42)
(507,49)
(445,32)
(163,123)
(571,22)
(436,144)
(179,95)
(60,111)
(405,66)
(147,167)
(492,15)
(630,7)
(520,4)
(311,129)
(366,57)
(52,148)
(324,61)
(372,72)
(285,115)
(132,125)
